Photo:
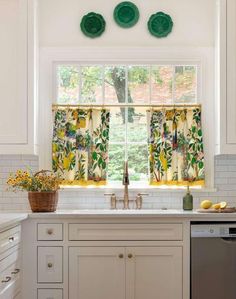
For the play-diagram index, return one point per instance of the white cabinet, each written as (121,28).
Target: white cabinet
(154,272)
(10,263)
(50,265)
(103,258)
(50,232)
(125,272)
(17,76)
(226,78)
(96,272)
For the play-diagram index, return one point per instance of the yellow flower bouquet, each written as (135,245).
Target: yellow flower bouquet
(42,188)
(43,181)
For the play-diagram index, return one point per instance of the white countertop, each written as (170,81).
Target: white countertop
(11,219)
(134,213)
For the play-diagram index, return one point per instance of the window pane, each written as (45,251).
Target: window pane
(185,84)
(138,162)
(91,84)
(115,85)
(67,84)
(117,125)
(116,162)
(161,84)
(137,125)
(138,84)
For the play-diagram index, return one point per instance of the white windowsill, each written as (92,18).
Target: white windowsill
(160,189)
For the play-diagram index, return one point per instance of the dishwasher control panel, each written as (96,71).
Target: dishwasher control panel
(213,230)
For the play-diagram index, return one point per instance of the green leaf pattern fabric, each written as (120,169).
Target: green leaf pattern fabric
(176,146)
(80,145)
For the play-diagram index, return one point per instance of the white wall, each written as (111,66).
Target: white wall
(225,182)
(193,23)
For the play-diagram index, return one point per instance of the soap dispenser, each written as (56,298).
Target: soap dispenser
(188,200)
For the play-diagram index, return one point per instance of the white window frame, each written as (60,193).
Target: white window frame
(203,58)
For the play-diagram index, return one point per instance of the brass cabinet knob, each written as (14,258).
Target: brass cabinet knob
(130,255)
(50,231)
(50,265)
(121,255)
(11,239)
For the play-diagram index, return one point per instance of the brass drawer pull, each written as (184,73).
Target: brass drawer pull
(11,239)
(7,279)
(130,255)
(121,255)
(15,271)
(50,265)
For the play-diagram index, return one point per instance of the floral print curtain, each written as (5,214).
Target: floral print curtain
(176,146)
(80,145)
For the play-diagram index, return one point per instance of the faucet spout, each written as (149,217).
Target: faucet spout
(126,184)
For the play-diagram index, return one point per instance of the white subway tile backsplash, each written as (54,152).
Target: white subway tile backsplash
(225,183)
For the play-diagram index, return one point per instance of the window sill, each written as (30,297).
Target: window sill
(140,186)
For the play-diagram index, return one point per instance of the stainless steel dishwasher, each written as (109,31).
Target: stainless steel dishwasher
(213,261)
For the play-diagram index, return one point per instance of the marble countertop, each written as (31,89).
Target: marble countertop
(11,219)
(192,215)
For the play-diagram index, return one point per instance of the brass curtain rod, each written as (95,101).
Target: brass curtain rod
(55,106)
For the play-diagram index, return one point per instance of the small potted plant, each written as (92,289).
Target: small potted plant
(42,188)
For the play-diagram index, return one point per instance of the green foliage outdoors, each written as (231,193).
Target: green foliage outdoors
(89,89)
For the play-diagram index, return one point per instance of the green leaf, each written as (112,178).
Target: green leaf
(94,156)
(200,132)
(193,129)
(100,161)
(201,165)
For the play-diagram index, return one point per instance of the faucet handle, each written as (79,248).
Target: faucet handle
(139,200)
(112,199)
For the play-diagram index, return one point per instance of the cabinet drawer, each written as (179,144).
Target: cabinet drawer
(50,294)
(9,239)
(9,276)
(11,260)
(12,290)
(151,232)
(50,232)
(50,265)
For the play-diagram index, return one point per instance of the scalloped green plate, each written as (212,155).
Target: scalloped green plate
(126,14)
(93,25)
(160,24)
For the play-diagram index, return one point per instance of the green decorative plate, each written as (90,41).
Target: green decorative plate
(160,24)
(126,14)
(93,24)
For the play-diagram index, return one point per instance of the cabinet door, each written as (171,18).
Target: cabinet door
(13,74)
(50,265)
(231,73)
(154,272)
(96,273)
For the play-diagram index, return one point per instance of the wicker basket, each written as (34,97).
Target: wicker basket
(43,201)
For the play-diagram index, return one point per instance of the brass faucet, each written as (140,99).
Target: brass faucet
(126,200)
(126,184)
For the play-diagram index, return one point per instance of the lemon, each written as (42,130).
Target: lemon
(216,206)
(223,204)
(206,204)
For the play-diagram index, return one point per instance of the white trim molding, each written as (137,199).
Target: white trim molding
(203,57)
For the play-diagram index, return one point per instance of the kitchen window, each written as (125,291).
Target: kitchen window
(128,90)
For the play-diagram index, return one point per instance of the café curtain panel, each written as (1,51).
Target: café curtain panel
(176,146)
(80,145)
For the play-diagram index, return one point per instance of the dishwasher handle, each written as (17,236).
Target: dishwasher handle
(229,239)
